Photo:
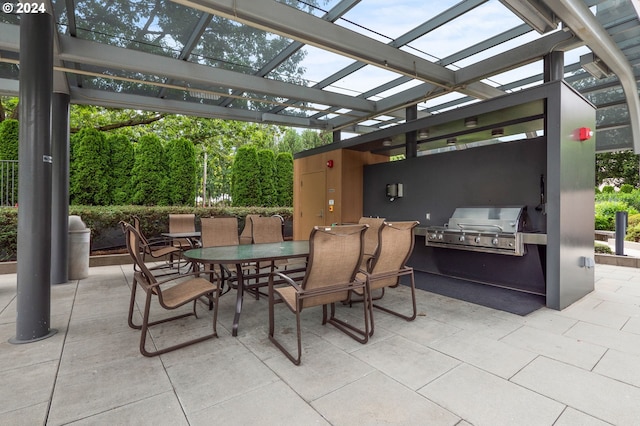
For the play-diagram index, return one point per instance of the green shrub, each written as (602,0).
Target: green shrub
(284,179)
(633,220)
(605,214)
(90,171)
(9,135)
(633,233)
(182,172)
(602,248)
(608,189)
(149,176)
(245,178)
(625,188)
(267,166)
(597,190)
(122,161)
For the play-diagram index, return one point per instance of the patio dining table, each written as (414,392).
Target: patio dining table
(246,253)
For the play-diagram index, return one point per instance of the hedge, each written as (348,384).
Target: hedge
(105,220)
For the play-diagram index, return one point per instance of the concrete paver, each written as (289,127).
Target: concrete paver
(456,364)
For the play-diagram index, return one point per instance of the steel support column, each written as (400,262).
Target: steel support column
(33,301)
(411,146)
(554,66)
(60,188)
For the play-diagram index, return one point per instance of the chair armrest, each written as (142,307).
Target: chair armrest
(287,279)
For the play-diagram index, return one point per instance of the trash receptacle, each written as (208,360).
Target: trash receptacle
(79,245)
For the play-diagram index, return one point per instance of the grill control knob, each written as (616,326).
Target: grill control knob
(494,241)
(440,236)
(461,238)
(477,240)
(432,236)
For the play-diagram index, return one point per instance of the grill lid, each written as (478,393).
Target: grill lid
(503,220)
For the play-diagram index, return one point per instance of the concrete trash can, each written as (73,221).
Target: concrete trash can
(79,247)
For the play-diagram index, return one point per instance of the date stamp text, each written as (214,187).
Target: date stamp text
(19,8)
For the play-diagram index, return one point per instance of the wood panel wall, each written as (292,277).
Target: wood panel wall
(343,185)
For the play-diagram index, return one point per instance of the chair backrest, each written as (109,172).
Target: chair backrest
(267,229)
(219,231)
(135,247)
(246,237)
(395,247)
(371,234)
(185,222)
(335,254)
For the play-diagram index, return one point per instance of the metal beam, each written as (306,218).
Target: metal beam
(124,100)
(516,57)
(117,58)
(579,18)
(289,22)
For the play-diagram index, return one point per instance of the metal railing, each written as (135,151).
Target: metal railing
(8,182)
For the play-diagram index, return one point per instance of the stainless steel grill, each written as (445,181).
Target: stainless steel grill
(485,229)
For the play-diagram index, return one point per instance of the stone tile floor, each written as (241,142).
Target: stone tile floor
(456,364)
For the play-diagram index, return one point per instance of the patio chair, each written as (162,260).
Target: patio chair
(334,258)
(388,264)
(370,237)
(246,236)
(171,293)
(271,230)
(221,231)
(158,249)
(184,222)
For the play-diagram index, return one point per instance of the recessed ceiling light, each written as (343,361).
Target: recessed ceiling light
(496,133)
(452,141)
(423,134)
(471,121)
(386,142)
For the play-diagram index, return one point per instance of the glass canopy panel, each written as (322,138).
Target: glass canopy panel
(611,116)
(152,26)
(484,22)
(364,80)
(9,18)
(118,81)
(314,7)
(387,21)
(613,139)
(237,47)
(314,66)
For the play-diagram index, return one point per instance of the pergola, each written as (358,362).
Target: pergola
(369,66)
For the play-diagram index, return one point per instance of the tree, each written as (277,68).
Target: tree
(245,178)
(617,168)
(267,168)
(284,179)
(149,180)
(122,161)
(90,175)
(182,172)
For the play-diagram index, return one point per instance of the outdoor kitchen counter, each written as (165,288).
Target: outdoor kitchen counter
(528,237)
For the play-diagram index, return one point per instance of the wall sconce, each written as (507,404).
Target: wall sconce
(452,141)
(471,122)
(395,190)
(386,142)
(496,133)
(423,134)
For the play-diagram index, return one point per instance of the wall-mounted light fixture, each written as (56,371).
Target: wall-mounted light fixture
(423,134)
(496,133)
(452,141)
(594,66)
(471,122)
(386,142)
(395,190)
